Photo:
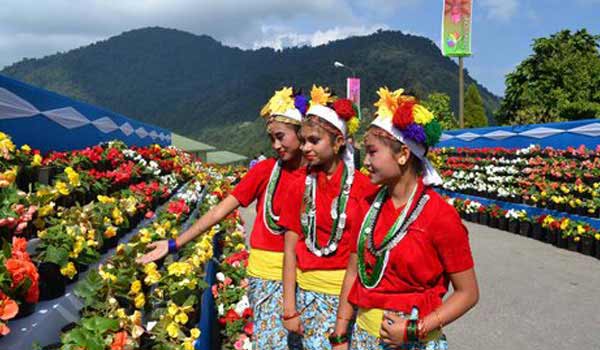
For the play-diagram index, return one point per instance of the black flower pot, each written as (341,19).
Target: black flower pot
(513,226)
(587,246)
(525,228)
(474,217)
(494,222)
(25,309)
(582,211)
(503,223)
(484,218)
(562,242)
(561,207)
(52,283)
(597,248)
(146,342)
(573,245)
(463,215)
(552,237)
(538,233)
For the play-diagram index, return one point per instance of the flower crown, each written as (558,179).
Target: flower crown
(346,110)
(283,101)
(412,119)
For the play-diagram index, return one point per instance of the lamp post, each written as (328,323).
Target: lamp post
(338,64)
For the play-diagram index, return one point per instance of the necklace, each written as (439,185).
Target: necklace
(338,214)
(394,235)
(269,217)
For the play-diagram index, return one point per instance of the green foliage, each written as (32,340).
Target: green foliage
(474,110)
(197,87)
(559,81)
(439,104)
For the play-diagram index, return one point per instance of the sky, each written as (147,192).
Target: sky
(503,30)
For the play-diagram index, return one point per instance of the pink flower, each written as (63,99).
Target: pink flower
(228,281)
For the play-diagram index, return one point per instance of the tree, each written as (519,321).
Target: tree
(439,104)
(474,111)
(559,81)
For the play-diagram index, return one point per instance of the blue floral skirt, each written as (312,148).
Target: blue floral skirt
(318,318)
(266,299)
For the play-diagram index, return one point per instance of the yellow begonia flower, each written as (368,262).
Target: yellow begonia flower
(37,160)
(195,333)
(580,229)
(139,301)
(173,330)
(117,216)
(136,286)
(172,309)
(73,177)
(188,345)
(422,115)
(46,209)
(181,318)
(26,148)
(110,232)
(179,268)
(62,188)
(105,199)
(597,236)
(8,177)
(69,270)
(121,313)
(564,224)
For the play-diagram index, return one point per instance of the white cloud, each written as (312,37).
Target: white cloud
(500,9)
(281,37)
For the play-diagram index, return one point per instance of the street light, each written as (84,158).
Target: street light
(341,65)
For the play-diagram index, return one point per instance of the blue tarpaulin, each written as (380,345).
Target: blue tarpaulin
(49,121)
(557,135)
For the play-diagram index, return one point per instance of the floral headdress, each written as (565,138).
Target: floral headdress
(285,106)
(340,112)
(410,123)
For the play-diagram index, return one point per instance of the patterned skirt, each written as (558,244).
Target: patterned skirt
(318,318)
(362,340)
(266,298)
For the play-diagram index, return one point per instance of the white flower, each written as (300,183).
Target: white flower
(221,309)
(242,305)
(220,277)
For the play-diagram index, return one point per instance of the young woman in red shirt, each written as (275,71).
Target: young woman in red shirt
(411,243)
(319,218)
(267,182)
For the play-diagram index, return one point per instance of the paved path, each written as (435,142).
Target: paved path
(533,295)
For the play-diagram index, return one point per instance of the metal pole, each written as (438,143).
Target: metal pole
(461,93)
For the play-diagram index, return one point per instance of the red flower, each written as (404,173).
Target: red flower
(249,328)
(20,270)
(403,116)
(247,313)
(230,316)
(119,341)
(343,108)
(239,256)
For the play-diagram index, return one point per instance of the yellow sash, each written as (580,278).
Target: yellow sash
(370,320)
(265,264)
(321,281)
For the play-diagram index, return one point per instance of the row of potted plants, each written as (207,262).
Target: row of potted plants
(563,184)
(563,232)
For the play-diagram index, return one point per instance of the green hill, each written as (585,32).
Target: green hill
(198,87)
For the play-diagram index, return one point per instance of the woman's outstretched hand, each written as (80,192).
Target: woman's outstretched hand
(160,249)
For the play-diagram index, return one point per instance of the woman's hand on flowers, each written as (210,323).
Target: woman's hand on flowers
(392,329)
(160,249)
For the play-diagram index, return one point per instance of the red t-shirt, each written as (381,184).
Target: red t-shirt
(327,190)
(436,244)
(254,186)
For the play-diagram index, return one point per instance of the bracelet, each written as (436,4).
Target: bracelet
(411,331)
(172,246)
(294,315)
(335,339)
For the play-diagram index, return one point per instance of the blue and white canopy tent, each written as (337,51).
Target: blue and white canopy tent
(556,135)
(49,121)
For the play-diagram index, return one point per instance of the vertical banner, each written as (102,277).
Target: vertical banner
(353,91)
(456,28)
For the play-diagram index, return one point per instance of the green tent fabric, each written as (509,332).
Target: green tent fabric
(189,145)
(224,157)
